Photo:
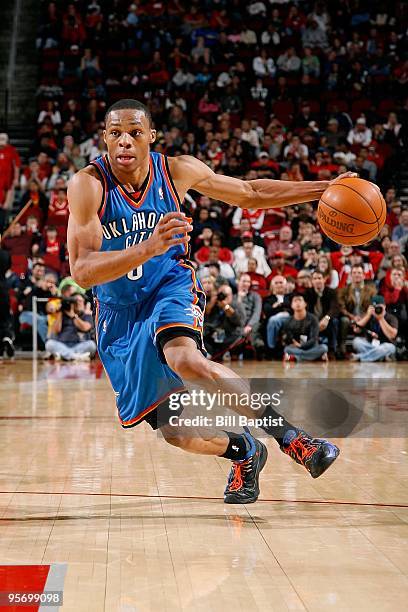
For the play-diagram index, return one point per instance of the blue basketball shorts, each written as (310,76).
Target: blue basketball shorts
(130,340)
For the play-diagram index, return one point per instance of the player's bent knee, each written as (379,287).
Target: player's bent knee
(188,365)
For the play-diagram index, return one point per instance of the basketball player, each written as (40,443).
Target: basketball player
(128,239)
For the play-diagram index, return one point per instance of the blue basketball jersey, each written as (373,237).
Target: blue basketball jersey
(128,219)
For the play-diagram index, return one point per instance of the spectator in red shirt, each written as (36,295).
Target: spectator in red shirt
(258,281)
(17,242)
(52,249)
(355,258)
(265,164)
(9,171)
(279,266)
(38,203)
(224,254)
(395,291)
(255,218)
(58,211)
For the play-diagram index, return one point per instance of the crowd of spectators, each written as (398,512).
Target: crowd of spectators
(261,89)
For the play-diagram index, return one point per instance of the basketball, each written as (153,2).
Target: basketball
(352,211)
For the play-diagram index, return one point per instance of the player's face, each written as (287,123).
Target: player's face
(128,137)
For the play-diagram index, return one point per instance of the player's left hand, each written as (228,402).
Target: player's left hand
(342,176)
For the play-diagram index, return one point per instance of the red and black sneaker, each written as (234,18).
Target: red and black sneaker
(243,480)
(315,454)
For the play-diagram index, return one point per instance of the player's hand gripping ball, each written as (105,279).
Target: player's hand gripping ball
(352,211)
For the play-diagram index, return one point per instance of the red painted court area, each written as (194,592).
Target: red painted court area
(22,579)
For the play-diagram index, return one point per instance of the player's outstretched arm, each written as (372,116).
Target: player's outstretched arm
(90,266)
(191,173)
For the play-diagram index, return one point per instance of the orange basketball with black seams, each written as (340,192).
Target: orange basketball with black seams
(352,211)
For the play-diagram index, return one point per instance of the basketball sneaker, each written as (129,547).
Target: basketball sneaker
(315,454)
(8,347)
(243,480)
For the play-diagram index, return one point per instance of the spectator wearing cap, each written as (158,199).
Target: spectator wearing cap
(281,267)
(301,334)
(333,134)
(10,164)
(247,250)
(265,166)
(377,331)
(360,134)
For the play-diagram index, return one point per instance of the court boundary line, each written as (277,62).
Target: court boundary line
(204,498)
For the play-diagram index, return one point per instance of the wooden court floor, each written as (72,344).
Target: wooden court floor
(142,526)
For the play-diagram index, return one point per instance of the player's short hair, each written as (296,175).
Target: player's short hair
(129,103)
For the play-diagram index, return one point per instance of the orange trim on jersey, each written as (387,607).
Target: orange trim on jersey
(168,181)
(172,190)
(150,408)
(194,284)
(105,189)
(134,203)
(169,325)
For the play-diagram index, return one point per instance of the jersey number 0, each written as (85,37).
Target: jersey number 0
(135,274)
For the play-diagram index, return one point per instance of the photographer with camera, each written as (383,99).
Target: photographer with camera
(224,321)
(354,299)
(378,331)
(70,332)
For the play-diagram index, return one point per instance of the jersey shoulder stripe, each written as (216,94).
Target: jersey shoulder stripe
(102,176)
